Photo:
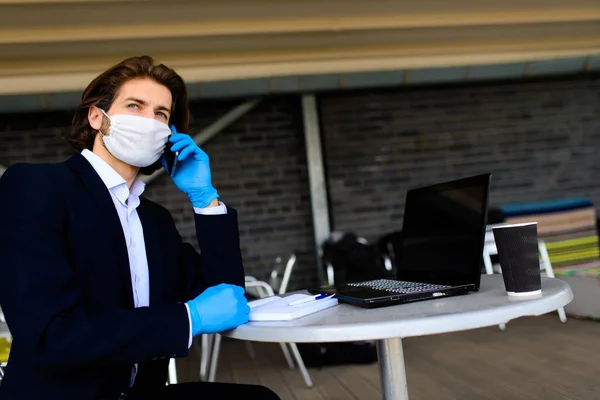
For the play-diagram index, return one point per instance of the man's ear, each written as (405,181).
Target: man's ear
(95,117)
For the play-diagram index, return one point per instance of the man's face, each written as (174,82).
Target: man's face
(145,98)
(142,97)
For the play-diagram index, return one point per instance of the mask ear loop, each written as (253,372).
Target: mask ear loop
(103,112)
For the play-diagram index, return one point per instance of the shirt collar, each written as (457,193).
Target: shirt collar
(109,176)
(137,188)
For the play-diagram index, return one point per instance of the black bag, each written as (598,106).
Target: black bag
(352,259)
(323,354)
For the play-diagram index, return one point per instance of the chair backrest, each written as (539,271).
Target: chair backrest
(490,240)
(279,278)
(259,289)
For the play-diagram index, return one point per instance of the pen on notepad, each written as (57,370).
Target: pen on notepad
(306,300)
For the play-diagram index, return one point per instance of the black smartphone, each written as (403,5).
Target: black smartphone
(171,159)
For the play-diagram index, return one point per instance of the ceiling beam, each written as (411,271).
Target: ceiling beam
(53,46)
(104,31)
(255,67)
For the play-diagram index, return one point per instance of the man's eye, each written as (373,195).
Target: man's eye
(162,115)
(132,105)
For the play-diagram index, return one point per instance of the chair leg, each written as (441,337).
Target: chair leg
(197,346)
(205,352)
(172,372)
(214,361)
(550,274)
(250,350)
(562,315)
(301,365)
(286,354)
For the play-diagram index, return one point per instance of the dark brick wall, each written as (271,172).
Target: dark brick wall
(34,137)
(540,140)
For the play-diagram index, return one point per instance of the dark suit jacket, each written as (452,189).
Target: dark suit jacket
(65,285)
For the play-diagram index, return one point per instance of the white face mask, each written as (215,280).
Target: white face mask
(135,140)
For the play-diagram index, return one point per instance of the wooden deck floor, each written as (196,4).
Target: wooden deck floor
(535,358)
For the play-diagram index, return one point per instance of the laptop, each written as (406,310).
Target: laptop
(443,235)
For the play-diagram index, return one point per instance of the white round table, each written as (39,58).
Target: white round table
(388,325)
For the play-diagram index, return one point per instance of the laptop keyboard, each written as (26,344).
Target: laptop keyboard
(401,287)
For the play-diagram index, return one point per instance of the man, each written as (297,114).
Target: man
(97,287)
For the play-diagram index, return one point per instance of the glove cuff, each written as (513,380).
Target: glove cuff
(195,318)
(204,197)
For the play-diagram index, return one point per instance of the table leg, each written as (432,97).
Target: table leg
(391,369)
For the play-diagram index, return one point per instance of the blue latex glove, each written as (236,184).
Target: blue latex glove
(218,309)
(192,175)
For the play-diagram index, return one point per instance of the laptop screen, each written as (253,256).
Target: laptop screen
(443,232)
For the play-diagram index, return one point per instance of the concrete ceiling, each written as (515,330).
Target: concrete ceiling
(56,47)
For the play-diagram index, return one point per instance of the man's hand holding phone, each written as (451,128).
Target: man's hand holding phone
(190,169)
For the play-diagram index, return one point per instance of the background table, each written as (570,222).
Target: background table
(388,325)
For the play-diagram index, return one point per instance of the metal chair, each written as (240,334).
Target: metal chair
(279,279)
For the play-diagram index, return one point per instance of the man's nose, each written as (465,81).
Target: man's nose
(148,113)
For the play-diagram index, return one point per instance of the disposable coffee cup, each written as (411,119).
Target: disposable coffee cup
(517,246)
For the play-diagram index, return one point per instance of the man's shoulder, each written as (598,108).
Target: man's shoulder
(34,186)
(39,173)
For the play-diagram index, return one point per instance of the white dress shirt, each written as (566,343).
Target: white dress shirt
(126,201)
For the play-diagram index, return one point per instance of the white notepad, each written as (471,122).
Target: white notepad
(277,308)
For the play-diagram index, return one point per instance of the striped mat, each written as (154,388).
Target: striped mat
(569,229)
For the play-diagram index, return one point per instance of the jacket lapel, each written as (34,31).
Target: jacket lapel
(102,198)
(153,252)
